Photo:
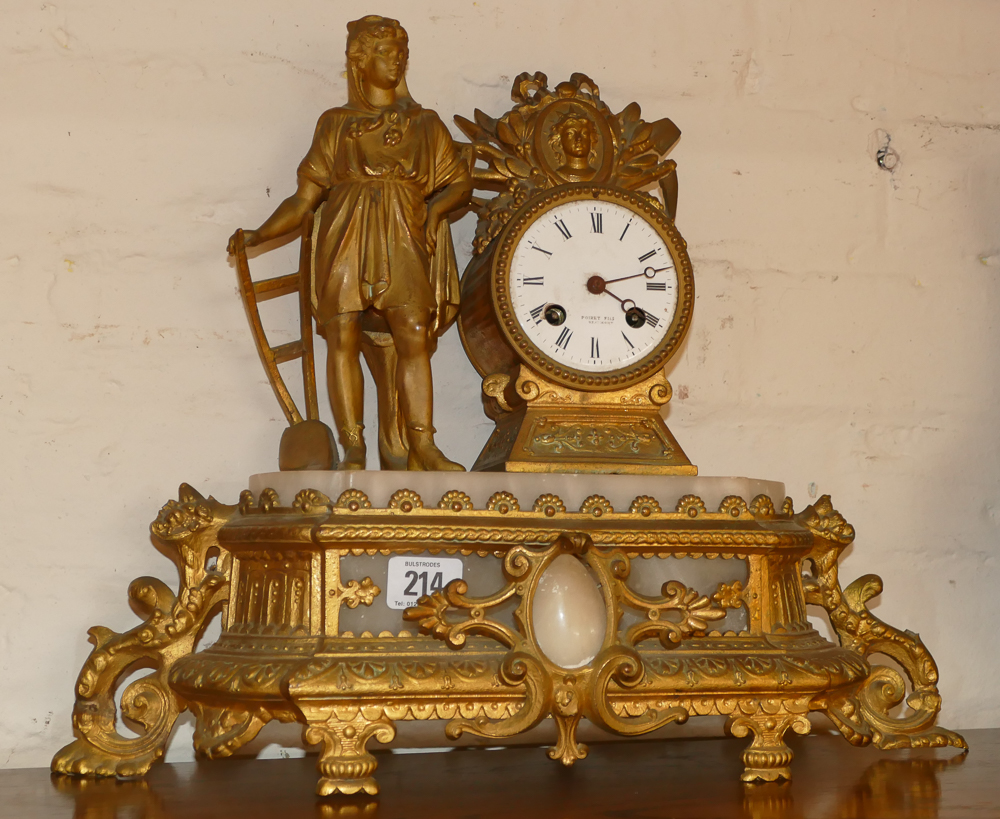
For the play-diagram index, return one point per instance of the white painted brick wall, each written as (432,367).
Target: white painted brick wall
(844,339)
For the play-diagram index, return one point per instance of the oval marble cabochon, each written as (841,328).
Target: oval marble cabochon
(568,613)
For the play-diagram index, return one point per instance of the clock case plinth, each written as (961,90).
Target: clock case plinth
(284,576)
(544,427)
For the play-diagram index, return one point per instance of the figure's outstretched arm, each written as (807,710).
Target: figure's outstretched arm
(452,197)
(287,216)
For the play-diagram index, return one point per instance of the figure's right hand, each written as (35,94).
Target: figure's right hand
(250,238)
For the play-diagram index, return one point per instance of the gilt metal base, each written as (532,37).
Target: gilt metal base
(276,574)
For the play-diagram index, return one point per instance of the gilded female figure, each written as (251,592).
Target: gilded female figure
(389,174)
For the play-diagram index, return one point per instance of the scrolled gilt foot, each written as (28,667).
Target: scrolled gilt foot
(186,529)
(345,766)
(767,758)
(100,751)
(867,714)
(567,750)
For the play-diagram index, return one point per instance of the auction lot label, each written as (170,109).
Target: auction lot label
(410,578)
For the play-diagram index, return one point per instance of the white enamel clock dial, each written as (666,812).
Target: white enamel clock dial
(593,285)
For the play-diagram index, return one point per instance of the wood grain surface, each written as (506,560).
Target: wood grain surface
(697,778)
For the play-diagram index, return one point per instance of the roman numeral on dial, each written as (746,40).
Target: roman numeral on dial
(656,285)
(541,250)
(536,313)
(563,229)
(646,256)
(564,337)
(533,280)
(652,320)
(597,223)
(595,347)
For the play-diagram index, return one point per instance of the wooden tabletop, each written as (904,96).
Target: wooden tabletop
(697,778)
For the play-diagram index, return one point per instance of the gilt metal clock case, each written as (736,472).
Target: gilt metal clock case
(580,288)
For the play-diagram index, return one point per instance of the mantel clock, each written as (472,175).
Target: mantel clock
(547,596)
(581,288)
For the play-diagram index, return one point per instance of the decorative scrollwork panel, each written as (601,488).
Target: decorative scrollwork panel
(567,694)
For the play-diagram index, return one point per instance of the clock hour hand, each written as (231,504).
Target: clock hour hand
(597,285)
(634,315)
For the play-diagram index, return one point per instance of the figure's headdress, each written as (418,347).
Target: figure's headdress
(361,37)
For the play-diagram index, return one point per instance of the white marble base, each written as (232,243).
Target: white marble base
(620,490)
(484,575)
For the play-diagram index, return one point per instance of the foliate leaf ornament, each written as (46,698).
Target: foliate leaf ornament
(729,595)
(762,507)
(362,593)
(645,505)
(503,502)
(690,505)
(548,504)
(826,522)
(406,500)
(455,500)
(311,501)
(733,505)
(353,500)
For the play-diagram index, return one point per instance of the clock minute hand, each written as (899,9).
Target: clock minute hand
(649,273)
(624,278)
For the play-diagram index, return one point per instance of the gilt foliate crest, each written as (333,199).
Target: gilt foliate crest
(554,137)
